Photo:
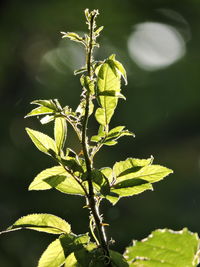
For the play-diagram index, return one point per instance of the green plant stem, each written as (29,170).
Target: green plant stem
(92,202)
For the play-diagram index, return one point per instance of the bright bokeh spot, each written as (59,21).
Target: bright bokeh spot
(155,45)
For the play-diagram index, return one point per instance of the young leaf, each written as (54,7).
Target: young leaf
(58,250)
(60,132)
(46,119)
(132,177)
(87,83)
(56,177)
(72,36)
(115,134)
(107,81)
(100,182)
(165,248)
(127,188)
(43,142)
(120,68)
(42,222)
(41,110)
(76,72)
(51,103)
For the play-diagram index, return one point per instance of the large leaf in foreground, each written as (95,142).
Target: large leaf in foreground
(56,177)
(42,222)
(58,250)
(165,248)
(43,142)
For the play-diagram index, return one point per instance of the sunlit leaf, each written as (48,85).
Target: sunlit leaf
(100,182)
(42,141)
(107,81)
(46,119)
(56,177)
(108,172)
(42,222)
(132,169)
(51,103)
(76,72)
(134,176)
(39,182)
(165,248)
(97,32)
(120,68)
(81,108)
(72,36)
(60,132)
(41,110)
(129,164)
(87,83)
(127,189)
(58,250)
(110,143)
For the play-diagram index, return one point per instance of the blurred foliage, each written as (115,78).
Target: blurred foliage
(36,63)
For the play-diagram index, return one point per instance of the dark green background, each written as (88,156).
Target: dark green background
(162,108)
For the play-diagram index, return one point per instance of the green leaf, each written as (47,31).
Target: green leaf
(107,81)
(87,83)
(43,142)
(100,182)
(165,248)
(42,222)
(89,255)
(71,261)
(127,188)
(51,103)
(39,181)
(111,137)
(76,72)
(120,68)
(96,138)
(134,176)
(72,36)
(41,110)
(117,259)
(132,169)
(60,132)
(97,32)
(56,177)
(110,143)
(108,173)
(46,119)
(81,108)
(114,134)
(58,250)
(73,164)
(123,166)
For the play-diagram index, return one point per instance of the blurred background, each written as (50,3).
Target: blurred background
(158,43)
